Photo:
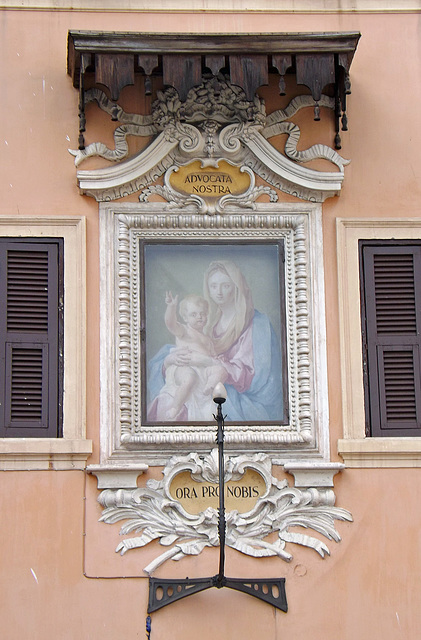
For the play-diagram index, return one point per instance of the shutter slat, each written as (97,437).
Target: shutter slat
(27,375)
(399,387)
(395,312)
(27,291)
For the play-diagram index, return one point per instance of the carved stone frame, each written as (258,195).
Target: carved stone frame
(125,442)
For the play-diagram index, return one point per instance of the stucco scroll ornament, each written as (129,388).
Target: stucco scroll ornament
(276,123)
(215,121)
(156,515)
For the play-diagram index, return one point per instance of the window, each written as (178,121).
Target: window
(392,440)
(31,332)
(391,307)
(42,348)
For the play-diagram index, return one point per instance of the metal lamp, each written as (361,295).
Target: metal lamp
(271,590)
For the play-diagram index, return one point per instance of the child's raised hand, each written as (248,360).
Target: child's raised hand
(169,299)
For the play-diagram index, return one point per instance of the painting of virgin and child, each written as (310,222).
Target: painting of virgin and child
(214,313)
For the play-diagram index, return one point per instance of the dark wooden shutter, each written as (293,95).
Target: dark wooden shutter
(391,304)
(30,337)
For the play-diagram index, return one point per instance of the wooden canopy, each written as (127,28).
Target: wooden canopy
(318,60)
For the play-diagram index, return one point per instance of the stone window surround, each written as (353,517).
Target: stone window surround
(114,455)
(72,450)
(356,449)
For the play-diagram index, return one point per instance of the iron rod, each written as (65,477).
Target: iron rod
(221,521)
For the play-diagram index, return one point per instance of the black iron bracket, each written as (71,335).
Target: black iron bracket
(163,592)
(166,591)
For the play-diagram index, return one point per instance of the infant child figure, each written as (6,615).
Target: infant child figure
(196,367)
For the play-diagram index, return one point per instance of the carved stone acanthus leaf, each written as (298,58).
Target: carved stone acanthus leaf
(153,512)
(216,120)
(174,199)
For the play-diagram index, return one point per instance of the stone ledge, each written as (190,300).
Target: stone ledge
(113,477)
(41,454)
(313,474)
(380,452)
(235,6)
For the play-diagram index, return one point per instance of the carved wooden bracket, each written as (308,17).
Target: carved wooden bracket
(114,71)
(318,60)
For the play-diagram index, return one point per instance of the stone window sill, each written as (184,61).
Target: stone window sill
(31,454)
(380,452)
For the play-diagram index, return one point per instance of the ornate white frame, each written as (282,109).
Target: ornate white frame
(124,440)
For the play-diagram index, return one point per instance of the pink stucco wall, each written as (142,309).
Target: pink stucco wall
(60,577)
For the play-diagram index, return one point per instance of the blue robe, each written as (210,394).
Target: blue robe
(262,401)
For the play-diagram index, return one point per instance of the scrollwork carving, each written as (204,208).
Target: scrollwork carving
(135,125)
(230,138)
(216,120)
(156,515)
(190,139)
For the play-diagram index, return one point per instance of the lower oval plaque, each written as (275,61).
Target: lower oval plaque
(240,495)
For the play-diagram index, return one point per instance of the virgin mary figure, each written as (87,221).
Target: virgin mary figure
(246,346)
